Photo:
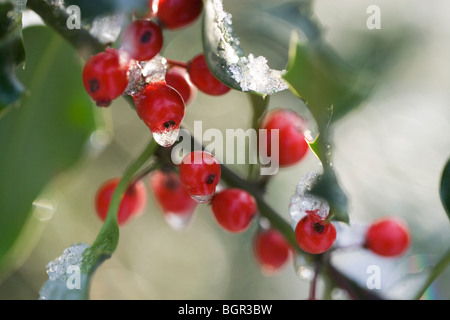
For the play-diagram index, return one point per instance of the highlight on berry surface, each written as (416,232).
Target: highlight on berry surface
(162,109)
(173,198)
(271,250)
(389,237)
(200,172)
(105,76)
(234,209)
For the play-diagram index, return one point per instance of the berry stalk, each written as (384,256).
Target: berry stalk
(108,237)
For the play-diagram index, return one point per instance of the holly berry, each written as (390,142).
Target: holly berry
(160,107)
(175,14)
(271,250)
(178,79)
(234,209)
(203,79)
(172,196)
(200,173)
(388,237)
(315,235)
(292,144)
(142,40)
(105,76)
(132,204)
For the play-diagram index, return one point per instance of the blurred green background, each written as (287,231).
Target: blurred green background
(388,155)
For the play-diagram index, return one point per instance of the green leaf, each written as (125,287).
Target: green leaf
(444,191)
(327,186)
(12,53)
(44,135)
(317,75)
(298,16)
(91,9)
(226,58)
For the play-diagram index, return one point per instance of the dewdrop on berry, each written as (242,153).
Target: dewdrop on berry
(167,137)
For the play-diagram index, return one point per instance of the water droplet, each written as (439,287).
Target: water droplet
(43,209)
(202,198)
(178,221)
(166,138)
(302,268)
(350,236)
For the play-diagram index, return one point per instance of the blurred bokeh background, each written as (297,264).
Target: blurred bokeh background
(389,155)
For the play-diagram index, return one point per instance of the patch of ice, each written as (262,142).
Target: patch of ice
(106,29)
(155,69)
(57,270)
(252,74)
(73,255)
(303,202)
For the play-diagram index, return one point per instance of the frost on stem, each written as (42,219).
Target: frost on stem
(252,74)
(58,272)
(303,202)
(106,29)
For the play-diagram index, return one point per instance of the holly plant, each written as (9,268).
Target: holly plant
(117,51)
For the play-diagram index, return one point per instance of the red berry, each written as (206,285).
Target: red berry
(203,79)
(200,173)
(314,235)
(234,209)
(271,250)
(175,14)
(178,79)
(142,40)
(160,107)
(172,196)
(388,237)
(105,76)
(292,144)
(132,204)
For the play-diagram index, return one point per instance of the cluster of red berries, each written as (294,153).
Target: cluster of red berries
(388,237)
(161,106)
(161,103)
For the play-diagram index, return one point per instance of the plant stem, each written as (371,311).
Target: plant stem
(56,18)
(312,292)
(176,63)
(437,270)
(108,237)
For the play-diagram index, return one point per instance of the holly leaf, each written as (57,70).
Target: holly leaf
(444,190)
(226,58)
(43,136)
(12,54)
(318,76)
(327,185)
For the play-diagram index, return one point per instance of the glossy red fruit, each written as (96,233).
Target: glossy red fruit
(203,79)
(173,198)
(292,144)
(234,209)
(388,237)
(105,76)
(175,14)
(160,107)
(142,40)
(271,250)
(178,79)
(314,235)
(200,173)
(132,204)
